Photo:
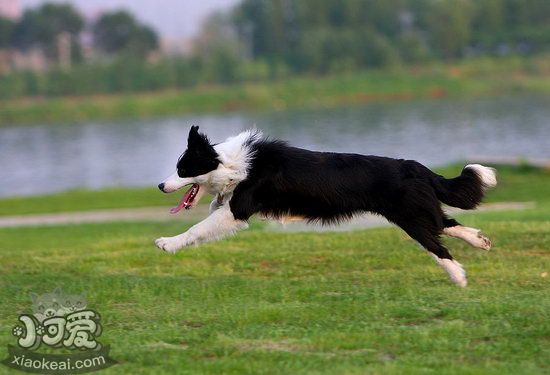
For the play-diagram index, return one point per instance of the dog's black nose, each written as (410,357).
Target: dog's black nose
(161,186)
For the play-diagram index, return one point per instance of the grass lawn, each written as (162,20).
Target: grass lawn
(343,303)
(85,200)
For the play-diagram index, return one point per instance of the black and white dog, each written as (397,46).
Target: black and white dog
(249,174)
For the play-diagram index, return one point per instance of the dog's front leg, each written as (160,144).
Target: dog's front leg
(219,224)
(216,203)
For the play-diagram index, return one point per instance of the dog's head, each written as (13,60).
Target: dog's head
(193,168)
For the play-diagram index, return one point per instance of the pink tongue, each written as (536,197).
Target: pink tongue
(186,200)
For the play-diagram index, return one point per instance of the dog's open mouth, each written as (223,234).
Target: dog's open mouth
(187,199)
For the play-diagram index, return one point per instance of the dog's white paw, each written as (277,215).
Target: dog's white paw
(454,270)
(483,242)
(477,239)
(471,235)
(170,244)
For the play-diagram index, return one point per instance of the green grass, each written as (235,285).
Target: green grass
(471,78)
(294,303)
(83,200)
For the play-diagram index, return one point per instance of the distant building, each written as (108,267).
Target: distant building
(32,59)
(10,9)
(176,46)
(11,59)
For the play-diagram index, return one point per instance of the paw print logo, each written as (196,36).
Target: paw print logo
(17,331)
(40,330)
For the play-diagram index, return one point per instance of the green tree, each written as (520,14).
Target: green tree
(6,30)
(412,48)
(449,27)
(119,32)
(41,27)
(218,49)
(320,35)
(488,24)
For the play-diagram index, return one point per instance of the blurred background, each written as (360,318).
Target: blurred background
(101,93)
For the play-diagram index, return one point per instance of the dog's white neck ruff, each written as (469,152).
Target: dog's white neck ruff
(235,155)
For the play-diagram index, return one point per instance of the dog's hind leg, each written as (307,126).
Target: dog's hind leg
(431,242)
(472,236)
(421,217)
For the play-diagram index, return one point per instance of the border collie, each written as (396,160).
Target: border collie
(249,174)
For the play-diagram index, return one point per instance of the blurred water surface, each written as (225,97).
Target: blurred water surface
(48,158)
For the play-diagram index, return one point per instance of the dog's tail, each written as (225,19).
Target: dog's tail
(467,190)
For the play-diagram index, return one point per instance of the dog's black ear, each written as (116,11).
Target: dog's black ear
(200,156)
(197,140)
(193,132)
(194,136)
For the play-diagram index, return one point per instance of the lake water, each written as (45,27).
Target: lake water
(42,159)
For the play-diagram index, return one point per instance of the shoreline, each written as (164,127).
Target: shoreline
(471,78)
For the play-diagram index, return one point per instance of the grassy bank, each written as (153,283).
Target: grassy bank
(84,200)
(299,303)
(472,78)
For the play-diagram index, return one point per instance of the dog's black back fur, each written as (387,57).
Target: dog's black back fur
(330,187)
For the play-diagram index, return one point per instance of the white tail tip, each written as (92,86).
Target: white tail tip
(487,175)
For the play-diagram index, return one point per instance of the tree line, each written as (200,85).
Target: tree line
(312,35)
(112,33)
(269,39)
